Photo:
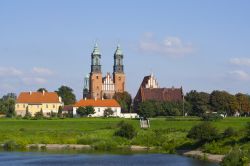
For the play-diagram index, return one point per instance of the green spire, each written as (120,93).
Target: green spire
(118,50)
(96,50)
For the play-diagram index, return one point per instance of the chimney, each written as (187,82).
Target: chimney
(43,92)
(30,92)
(95,98)
(102,98)
(85,98)
(60,99)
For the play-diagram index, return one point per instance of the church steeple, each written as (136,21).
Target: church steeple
(96,60)
(118,60)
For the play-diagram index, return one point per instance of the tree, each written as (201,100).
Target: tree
(10,104)
(223,102)
(147,109)
(27,114)
(9,96)
(39,115)
(199,102)
(203,132)
(244,104)
(42,89)
(126,130)
(108,112)
(124,99)
(85,111)
(68,97)
(60,109)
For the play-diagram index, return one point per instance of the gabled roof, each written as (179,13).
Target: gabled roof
(161,94)
(97,103)
(38,97)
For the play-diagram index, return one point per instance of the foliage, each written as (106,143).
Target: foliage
(108,112)
(10,108)
(244,104)
(147,109)
(248,129)
(236,157)
(199,102)
(42,90)
(223,102)
(85,111)
(126,130)
(124,99)
(59,113)
(39,115)
(27,114)
(229,132)
(211,117)
(68,97)
(203,132)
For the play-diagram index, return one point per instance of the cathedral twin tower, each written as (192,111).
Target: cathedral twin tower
(98,87)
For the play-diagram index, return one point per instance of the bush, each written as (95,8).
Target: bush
(108,112)
(248,129)
(85,111)
(229,132)
(211,117)
(235,158)
(203,132)
(106,145)
(126,130)
(10,145)
(39,115)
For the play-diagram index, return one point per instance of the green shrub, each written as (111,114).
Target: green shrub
(229,132)
(105,145)
(10,145)
(211,117)
(203,132)
(248,129)
(126,130)
(235,158)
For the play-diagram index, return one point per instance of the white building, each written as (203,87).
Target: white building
(100,105)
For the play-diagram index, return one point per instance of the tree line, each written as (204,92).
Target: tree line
(194,104)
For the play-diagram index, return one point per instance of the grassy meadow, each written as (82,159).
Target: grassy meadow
(168,134)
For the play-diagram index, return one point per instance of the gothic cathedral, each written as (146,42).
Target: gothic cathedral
(98,87)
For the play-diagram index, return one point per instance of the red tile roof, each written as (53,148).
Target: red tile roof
(97,103)
(157,94)
(38,97)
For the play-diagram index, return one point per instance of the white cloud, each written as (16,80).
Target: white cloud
(10,71)
(240,61)
(41,71)
(240,75)
(171,46)
(34,80)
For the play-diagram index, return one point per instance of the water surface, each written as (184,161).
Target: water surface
(47,159)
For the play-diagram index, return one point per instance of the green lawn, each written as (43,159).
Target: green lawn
(163,132)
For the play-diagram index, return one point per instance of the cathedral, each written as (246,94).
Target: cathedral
(98,87)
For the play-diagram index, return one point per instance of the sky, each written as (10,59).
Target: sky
(200,45)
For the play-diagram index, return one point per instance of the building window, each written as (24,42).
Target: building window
(47,106)
(54,106)
(23,105)
(17,106)
(37,106)
(119,78)
(96,77)
(98,109)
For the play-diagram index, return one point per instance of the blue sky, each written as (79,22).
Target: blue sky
(202,45)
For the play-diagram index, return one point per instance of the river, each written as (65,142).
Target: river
(49,159)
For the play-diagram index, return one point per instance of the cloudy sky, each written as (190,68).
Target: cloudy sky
(202,45)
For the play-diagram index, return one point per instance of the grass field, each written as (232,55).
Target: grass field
(164,132)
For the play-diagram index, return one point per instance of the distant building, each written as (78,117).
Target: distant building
(106,87)
(100,105)
(37,101)
(150,90)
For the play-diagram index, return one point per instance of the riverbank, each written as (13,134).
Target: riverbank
(197,154)
(204,156)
